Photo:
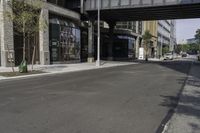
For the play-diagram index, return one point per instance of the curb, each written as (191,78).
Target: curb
(61,72)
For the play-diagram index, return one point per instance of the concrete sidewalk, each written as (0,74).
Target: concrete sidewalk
(64,68)
(187,115)
(155,59)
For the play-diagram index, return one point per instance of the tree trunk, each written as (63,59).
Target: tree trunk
(11,59)
(146,59)
(146,55)
(28,51)
(24,42)
(33,57)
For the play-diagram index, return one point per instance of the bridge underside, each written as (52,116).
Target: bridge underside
(149,13)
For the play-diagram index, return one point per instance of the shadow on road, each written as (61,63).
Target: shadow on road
(182,66)
(189,102)
(188,98)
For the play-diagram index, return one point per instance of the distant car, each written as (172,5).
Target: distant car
(175,56)
(168,56)
(198,57)
(184,54)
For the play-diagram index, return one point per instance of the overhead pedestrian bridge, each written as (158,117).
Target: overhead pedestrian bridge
(124,10)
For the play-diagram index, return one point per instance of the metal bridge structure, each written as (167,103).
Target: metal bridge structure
(130,10)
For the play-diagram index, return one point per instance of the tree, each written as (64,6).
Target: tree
(26,19)
(165,50)
(147,42)
(185,47)
(197,37)
(189,48)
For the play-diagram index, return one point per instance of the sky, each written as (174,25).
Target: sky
(186,28)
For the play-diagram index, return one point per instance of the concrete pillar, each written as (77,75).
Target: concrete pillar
(137,46)
(156,49)
(160,49)
(111,35)
(161,46)
(137,27)
(6,36)
(91,42)
(44,37)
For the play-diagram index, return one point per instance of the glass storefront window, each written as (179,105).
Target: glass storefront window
(130,44)
(65,41)
(70,43)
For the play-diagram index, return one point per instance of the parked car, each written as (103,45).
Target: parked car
(175,56)
(168,56)
(184,54)
(198,57)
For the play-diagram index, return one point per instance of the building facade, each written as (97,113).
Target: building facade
(67,39)
(152,27)
(173,40)
(163,35)
(58,42)
(136,27)
(166,36)
(192,41)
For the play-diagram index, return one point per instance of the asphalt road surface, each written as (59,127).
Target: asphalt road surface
(126,99)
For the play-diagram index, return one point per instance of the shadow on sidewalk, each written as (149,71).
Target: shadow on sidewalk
(195,127)
(187,103)
(190,105)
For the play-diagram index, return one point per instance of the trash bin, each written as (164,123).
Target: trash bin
(23,67)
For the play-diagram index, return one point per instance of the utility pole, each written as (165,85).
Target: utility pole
(98,63)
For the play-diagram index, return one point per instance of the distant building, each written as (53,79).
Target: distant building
(173,41)
(191,41)
(181,42)
(136,27)
(139,27)
(164,35)
(163,31)
(152,27)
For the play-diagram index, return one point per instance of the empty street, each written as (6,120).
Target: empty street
(126,99)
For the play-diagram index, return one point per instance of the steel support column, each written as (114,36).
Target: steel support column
(91,41)
(111,34)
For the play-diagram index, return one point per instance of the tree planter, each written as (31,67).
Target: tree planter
(23,68)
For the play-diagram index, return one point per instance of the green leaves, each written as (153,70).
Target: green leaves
(187,48)
(165,50)
(147,36)
(147,39)
(25,15)
(197,35)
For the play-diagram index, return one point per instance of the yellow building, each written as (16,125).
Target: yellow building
(152,27)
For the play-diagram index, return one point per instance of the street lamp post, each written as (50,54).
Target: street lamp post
(98,63)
